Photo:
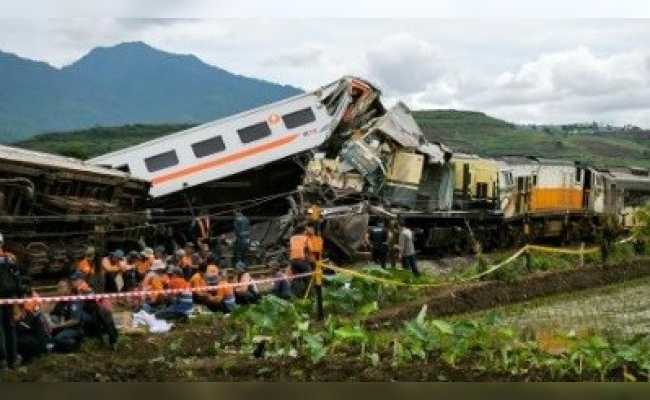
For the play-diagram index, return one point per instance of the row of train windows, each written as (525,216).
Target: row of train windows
(216,144)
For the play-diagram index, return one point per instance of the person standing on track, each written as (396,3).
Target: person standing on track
(242,237)
(406,248)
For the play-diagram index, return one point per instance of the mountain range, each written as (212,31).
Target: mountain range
(125,84)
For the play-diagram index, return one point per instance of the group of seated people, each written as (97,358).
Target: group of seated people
(191,277)
(171,286)
(65,326)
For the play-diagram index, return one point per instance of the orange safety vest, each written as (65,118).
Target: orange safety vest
(315,244)
(298,247)
(85,267)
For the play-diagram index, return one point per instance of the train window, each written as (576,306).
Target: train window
(209,146)
(481,190)
(507,178)
(578,175)
(161,161)
(124,168)
(534,180)
(298,118)
(254,132)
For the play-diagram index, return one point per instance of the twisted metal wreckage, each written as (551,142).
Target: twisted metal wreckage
(337,146)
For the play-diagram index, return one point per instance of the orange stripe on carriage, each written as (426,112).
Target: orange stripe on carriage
(224,160)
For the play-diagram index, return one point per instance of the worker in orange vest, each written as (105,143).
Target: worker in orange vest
(314,245)
(299,254)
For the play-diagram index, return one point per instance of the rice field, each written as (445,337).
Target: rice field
(619,310)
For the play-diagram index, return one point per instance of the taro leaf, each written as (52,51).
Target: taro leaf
(368,309)
(442,326)
(417,350)
(597,342)
(316,348)
(627,353)
(302,326)
(351,333)
(422,314)
(465,328)
(416,330)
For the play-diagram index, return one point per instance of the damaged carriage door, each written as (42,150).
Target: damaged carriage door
(362,95)
(597,193)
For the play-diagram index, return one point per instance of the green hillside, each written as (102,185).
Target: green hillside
(463,131)
(475,132)
(96,141)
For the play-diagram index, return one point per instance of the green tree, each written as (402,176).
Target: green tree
(74,149)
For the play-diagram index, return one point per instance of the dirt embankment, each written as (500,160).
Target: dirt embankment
(483,295)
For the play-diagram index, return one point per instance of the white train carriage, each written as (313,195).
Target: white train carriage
(244,141)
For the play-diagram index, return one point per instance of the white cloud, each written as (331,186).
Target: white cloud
(571,82)
(299,59)
(404,63)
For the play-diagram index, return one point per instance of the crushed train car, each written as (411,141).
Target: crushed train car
(52,207)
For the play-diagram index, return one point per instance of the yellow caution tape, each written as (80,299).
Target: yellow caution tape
(627,239)
(548,249)
(491,269)
(424,285)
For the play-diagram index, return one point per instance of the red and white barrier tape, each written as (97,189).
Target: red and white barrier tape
(140,293)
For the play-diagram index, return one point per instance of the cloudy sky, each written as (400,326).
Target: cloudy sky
(548,70)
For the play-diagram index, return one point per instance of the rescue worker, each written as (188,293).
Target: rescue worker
(66,321)
(112,266)
(393,248)
(160,253)
(406,248)
(242,237)
(377,239)
(197,283)
(129,274)
(299,254)
(201,257)
(156,279)
(246,292)
(181,303)
(96,316)
(143,266)
(85,265)
(201,227)
(225,295)
(32,332)
(10,287)
(314,245)
(183,261)
(281,285)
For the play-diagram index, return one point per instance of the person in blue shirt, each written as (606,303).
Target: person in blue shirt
(242,237)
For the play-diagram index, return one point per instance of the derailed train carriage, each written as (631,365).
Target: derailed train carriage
(52,208)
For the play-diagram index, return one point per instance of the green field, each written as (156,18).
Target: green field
(475,132)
